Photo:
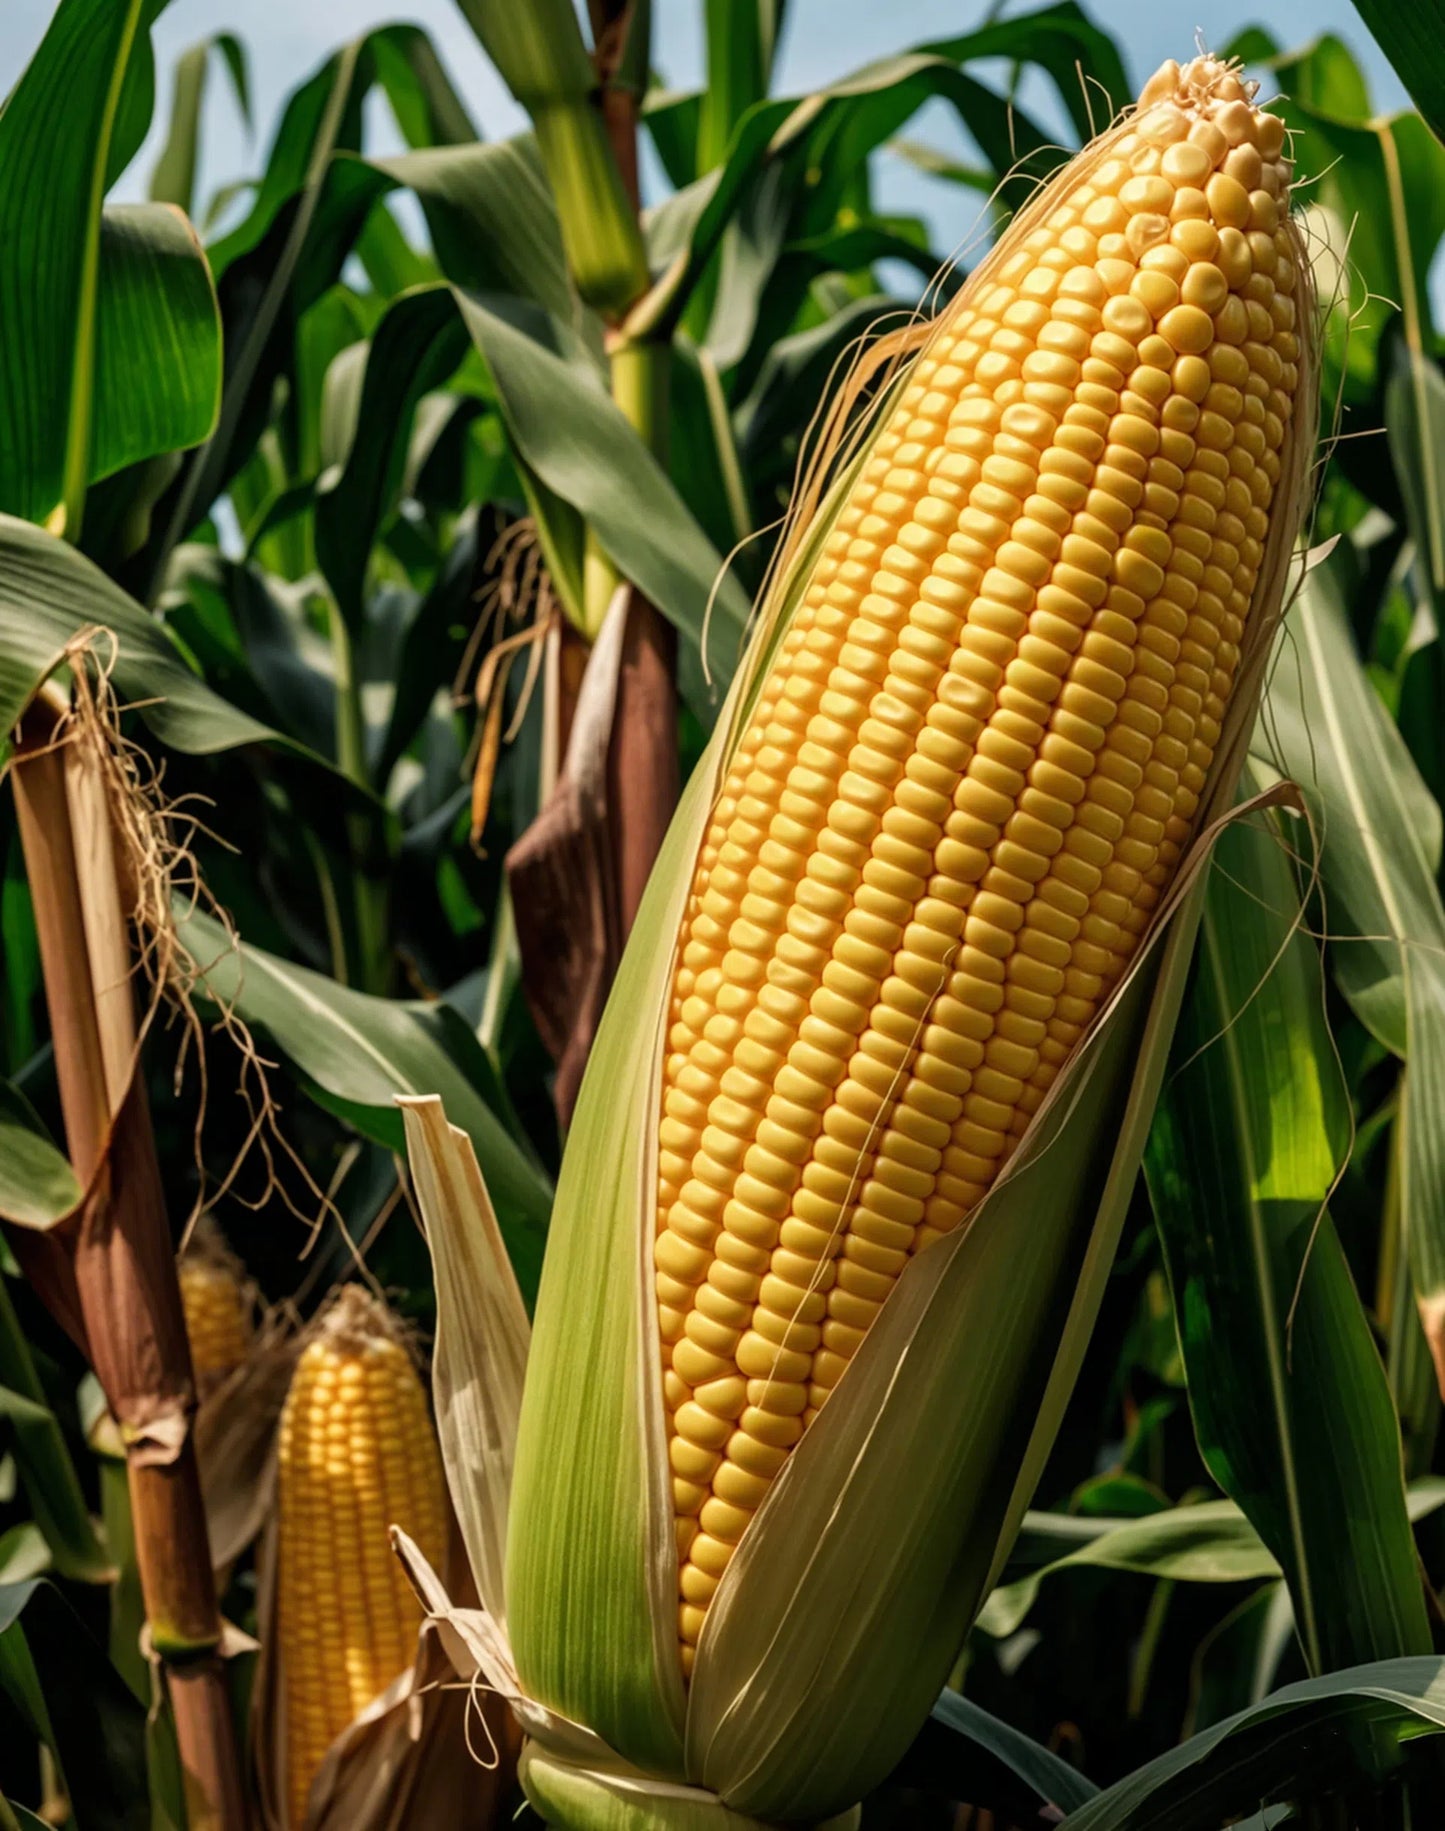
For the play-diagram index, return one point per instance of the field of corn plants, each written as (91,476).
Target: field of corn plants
(722,964)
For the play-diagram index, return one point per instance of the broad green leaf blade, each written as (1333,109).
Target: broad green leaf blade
(1380,185)
(37,1184)
(968,1755)
(1208,1542)
(1415,429)
(488,209)
(52,1486)
(56,133)
(1305,1739)
(20,1818)
(1290,1400)
(174,177)
(786,170)
(826,137)
(1212,1542)
(1381,833)
(303,221)
(492,221)
(569,433)
(425,101)
(415,348)
(158,339)
(1412,38)
(1324,74)
(739,35)
(1237,1663)
(356,1053)
(69,1695)
(702,454)
(49,593)
(23,1551)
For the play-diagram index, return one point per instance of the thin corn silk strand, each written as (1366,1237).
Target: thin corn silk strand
(969,771)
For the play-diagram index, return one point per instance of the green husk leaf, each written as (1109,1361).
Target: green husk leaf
(588,1644)
(586,1799)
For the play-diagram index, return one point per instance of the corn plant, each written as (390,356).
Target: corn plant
(383,504)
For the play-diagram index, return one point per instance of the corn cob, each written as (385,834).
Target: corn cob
(968,776)
(218,1306)
(357,1454)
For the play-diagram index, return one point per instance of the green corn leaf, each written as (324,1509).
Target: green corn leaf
(1211,1542)
(49,593)
(158,339)
(1290,1400)
(1207,1542)
(968,1755)
(37,1184)
(570,434)
(1381,836)
(355,1053)
(1412,37)
(1305,1740)
(52,1486)
(69,1696)
(110,349)
(174,177)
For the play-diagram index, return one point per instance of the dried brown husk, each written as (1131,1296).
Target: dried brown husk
(235,1432)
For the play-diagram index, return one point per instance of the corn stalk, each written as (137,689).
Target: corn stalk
(578,875)
(108,1271)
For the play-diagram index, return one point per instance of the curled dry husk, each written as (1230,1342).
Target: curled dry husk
(235,1432)
(429,1750)
(840,1616)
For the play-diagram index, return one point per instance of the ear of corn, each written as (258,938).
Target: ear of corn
(866,1107)
(356,1455)
(218,1304)
(968,778)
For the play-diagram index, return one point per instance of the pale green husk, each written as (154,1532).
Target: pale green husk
(586,1800)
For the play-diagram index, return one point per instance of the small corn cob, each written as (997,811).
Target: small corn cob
(968,776)
(357,1454)
(218,1306)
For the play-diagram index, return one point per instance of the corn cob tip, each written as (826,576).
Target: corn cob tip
(970,768)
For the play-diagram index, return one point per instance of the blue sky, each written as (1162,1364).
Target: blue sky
(824,39)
